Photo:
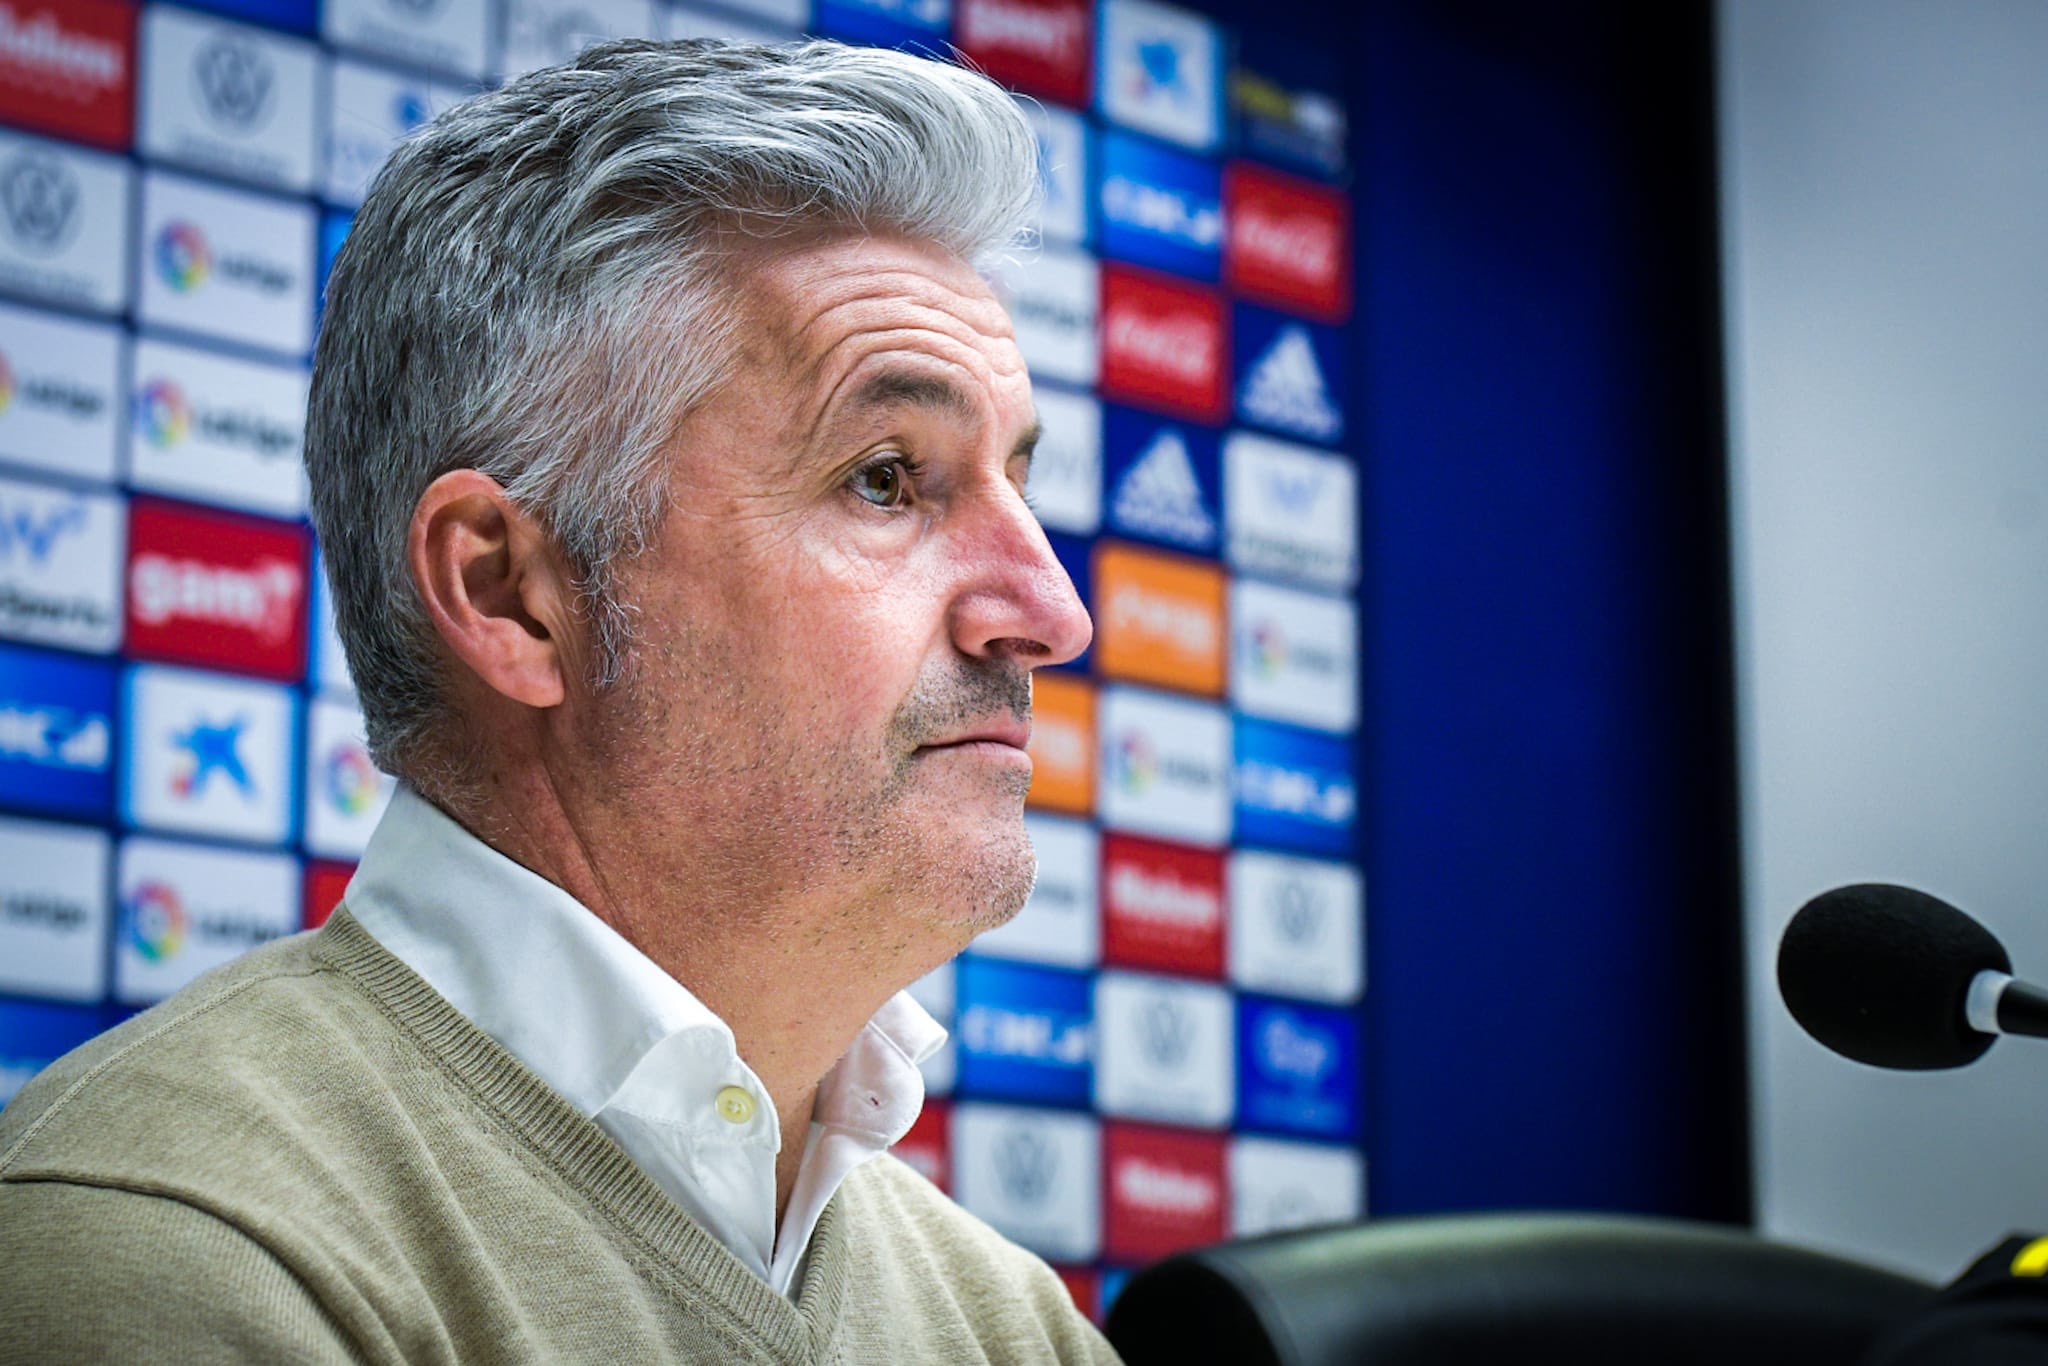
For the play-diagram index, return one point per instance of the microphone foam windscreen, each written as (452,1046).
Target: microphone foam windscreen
(1881,974)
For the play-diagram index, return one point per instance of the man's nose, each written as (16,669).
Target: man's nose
(1016,599)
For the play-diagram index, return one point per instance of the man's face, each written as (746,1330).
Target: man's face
(825,709)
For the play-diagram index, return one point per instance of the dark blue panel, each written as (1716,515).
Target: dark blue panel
(1162,480)
(1025,1033)
(1296,789)
(1075,554)
(1297,1069)
(1159,208)
(919,25)
(292,14)
(1290,375)
(56,732)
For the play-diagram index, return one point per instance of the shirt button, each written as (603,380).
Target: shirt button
(735,1104)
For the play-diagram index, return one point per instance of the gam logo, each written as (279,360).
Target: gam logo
(40,197)
(237,83)
(1027,1165)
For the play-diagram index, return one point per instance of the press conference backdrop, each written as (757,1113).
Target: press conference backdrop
(1886,310)
(1163,1048)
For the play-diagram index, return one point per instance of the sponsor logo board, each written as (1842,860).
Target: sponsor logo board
(1066,470)
(1038,46)
(1160,208)
(229,99)
(53,910)
(345,793)
(1159,619)
(1295,788)
(1053,301)
(1033,1175)
(369,111)
(184,910)
(1159,70)
(1061,923)
(1164,345)
(1164,480)
(1289,375)
(1293,656)
(1065,154)
(1298,1068)
(206,426)
(1282,95)
(1164,1050)
(442,35)
(1165,766)
(1297,926)
(1165,1191)
(927,1147)
(56,732)
(67,67)
(227,264)
(207,754)
(921,25)
(1289,511)
(325,885)
(215,589)
(59,393)
(60,556)
(1025,1033)
(1277,1185)
(1162,906)
(1062,745)
(64,224)
(297,15)
(541,33)
(1289,242)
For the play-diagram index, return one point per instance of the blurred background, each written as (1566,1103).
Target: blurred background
(1557,487)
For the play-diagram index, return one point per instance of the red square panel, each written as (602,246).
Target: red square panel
(217,590)
(1162,906)
(1288,242)
(1037,45)
(1165,345)
(928,1146)
(68,67)
(1164,1191)
(325,882)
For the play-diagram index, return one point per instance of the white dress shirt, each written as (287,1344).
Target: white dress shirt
(627,1044)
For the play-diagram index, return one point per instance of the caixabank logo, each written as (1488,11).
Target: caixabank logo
(369,110)
(1160,71)
(1289,375)
(1297,926)
(216,590)
(1299,1069)
(1166,1191)
(1026,1033)
(207,754)
(1276,1184)
(1165,766)
(1165,1050)
(59,387)
(64,229)
(229,99)
(1159,619)
(440,35)
(1034,1175)
(1160,208)
(67,67)
(1042,47)
(1289,243)
(1163,480)
(53,910)
(184,909)
(1295,789)
(1164,345)
(57,547)
(226,264)
(1061,922)
(1290,512)
(1162,906)
(1293,656)
(219,429)
(56,733)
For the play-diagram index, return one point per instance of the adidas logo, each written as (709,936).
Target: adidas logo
(1160,496)
(1285,389)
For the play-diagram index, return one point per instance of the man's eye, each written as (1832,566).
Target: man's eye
(885,483)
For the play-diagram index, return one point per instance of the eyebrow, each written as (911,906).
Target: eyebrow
(934,393)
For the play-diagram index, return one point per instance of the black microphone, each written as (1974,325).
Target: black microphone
(1896,978)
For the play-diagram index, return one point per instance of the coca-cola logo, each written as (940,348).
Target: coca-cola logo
(261,599)
(1298,244)
(1182,347)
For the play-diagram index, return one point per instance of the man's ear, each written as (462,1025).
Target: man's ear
(494,587)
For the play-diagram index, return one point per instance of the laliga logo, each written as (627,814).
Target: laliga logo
(1269,649)
(351,778)
(258,599)
(6,382)
(157,923)
(183,260)
(162,415)
(1137,763)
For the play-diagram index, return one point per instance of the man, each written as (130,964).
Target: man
(668,455)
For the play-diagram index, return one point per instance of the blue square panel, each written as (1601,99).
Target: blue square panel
(1025,1033)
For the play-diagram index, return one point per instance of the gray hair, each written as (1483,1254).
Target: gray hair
(533,288)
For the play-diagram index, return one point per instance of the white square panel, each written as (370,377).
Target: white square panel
(228,99)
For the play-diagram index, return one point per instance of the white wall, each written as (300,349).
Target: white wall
(1885,180)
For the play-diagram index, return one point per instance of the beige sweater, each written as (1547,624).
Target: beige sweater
(310,1156)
